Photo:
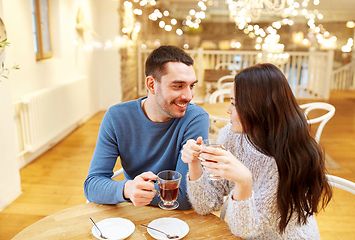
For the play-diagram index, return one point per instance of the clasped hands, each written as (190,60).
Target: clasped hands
(219,162)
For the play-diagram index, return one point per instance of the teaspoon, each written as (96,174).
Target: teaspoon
(102,236)
(167,235)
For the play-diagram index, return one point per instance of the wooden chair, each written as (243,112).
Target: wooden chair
(227,84)
(117,173)
(323,119)
(216,123)
(212,77)
(220,94)
(341,183)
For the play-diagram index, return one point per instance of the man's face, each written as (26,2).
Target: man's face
(175,90)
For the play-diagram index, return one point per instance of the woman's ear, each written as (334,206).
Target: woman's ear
(150,84)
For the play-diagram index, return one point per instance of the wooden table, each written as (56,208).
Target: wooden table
(217,109)
(212,75)
(74,223)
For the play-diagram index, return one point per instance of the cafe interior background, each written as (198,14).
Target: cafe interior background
(95,44)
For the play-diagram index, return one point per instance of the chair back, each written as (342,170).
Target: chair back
(341,183)
(216,123)
(117,173)
(227,84)
(220,94)
(322,119)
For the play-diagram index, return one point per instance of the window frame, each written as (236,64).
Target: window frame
(41,21)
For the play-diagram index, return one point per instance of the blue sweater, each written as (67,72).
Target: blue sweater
(142,146)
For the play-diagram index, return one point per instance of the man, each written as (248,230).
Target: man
(148,133)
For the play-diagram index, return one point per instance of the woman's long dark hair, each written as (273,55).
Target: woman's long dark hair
(277,127)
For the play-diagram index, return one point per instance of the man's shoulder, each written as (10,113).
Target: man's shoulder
(124,105)
(195,112)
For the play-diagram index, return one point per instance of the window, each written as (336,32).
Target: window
(41,29)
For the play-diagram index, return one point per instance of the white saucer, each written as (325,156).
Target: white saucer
(114,228)
(172,226)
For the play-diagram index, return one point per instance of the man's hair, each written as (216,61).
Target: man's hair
(156,62)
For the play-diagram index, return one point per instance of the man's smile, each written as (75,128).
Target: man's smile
(182,105)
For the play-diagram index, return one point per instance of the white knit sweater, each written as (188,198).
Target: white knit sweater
(256,217)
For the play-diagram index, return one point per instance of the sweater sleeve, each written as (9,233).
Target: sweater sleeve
(98,186)
(251,217)
(207,195)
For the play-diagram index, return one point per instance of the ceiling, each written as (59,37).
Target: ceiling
(217,10)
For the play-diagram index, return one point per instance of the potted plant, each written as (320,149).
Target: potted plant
(4,72)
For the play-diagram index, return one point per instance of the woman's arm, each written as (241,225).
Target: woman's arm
(207,195)
(258,213)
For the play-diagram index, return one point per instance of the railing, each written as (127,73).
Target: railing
(343,78)
(308,73)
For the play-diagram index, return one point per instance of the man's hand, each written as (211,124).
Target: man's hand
(140,190)
(189,154)
(191,150)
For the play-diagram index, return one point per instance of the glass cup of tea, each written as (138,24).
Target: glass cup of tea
(215,143)
(169,184)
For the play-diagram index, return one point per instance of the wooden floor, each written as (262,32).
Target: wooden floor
(54,181)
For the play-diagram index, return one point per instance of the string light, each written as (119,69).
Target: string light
(348,46)
(350,24)
(239,13)
(242,14)
(193,19)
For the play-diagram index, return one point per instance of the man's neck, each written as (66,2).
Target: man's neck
(151,112)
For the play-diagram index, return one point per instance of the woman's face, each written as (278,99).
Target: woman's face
(232,111)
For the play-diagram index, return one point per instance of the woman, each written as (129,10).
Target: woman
(273,171)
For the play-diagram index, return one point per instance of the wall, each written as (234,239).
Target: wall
(129,56)
(106,62)
(10,187)
(69,61)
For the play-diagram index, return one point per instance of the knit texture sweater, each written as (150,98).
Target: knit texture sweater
(258,216)
(141,145)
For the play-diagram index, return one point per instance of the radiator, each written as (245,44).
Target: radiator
(46,113)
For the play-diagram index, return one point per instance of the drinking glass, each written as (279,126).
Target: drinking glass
(215,143)
(169,184)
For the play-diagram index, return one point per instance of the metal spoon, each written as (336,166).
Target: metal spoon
(167,235)
(102,236)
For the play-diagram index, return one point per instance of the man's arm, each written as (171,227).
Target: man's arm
(98,186)
(198,127)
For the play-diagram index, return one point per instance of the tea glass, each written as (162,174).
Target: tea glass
(220,143)
(169,184)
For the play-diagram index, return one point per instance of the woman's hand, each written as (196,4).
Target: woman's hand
(189,154)
(225,164)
